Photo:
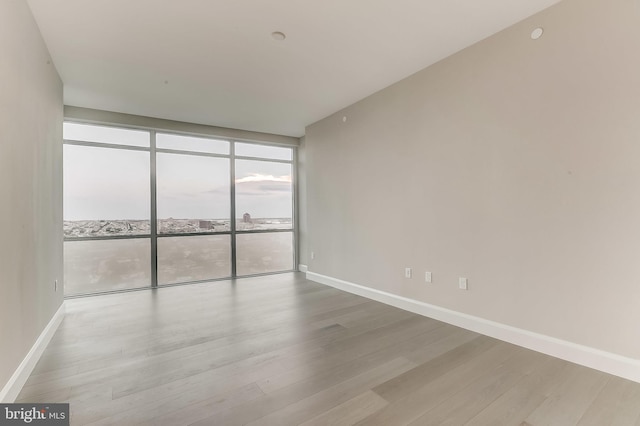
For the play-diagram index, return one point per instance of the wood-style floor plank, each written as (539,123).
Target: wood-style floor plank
(281,350)
(519,401)
(333,396)
(617,404)
(428,389)
(471,400)
(567,403)
(349,412)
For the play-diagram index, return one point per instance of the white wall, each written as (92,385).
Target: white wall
(514,163)
(30,185)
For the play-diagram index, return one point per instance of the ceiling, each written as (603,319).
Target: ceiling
(214,61)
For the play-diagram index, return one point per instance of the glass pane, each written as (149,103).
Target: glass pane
(263,151)
(106,265)
(106,191)
(264,198)
(261,253)
(193,194)
(102,134)
(195,258)
(190,143)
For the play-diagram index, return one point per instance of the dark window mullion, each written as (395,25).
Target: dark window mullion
(154,214)
(232,171)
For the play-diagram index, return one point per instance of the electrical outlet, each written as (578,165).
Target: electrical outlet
(55,285)
(427,277)
(407,272)
(463,283)
(313,255)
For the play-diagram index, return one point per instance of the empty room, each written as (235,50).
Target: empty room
(320,213)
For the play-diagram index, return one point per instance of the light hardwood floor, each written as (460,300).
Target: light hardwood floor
(280,350)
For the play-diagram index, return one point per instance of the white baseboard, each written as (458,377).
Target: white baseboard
(13,387)
(303,268)
(607,362)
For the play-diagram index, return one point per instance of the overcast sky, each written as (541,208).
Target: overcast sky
(103,183)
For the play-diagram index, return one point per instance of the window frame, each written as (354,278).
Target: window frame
(154,235)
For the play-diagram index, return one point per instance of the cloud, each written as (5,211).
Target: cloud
(263,185)
(256,177)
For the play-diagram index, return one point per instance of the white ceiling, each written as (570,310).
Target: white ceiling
(214,61)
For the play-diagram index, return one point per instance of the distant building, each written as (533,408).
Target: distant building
(246,218)
(206,224)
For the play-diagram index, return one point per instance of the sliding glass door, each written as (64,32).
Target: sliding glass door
(145,208)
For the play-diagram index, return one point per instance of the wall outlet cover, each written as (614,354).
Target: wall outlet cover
(463,283)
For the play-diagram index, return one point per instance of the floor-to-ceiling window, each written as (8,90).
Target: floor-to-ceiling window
(107,207)
(263,208)
(193,181)
(144,208)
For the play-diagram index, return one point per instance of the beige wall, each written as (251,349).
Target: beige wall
(30,185)
(514,163)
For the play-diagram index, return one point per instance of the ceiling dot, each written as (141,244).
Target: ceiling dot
(537,33)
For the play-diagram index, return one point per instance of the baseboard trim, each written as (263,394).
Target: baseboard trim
(607,362)
(303,268)
(12,389)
